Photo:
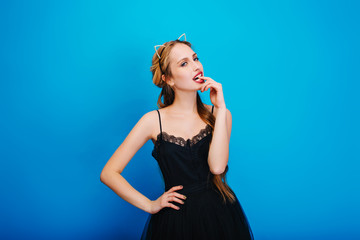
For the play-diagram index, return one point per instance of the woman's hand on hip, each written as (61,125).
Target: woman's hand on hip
(165,200)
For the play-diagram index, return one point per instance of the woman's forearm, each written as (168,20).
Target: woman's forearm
(219,147)
(121,187)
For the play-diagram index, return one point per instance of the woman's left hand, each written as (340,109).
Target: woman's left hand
(216,92)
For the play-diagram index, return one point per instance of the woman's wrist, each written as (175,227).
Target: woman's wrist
(220,107)
(220,110)
(149,207)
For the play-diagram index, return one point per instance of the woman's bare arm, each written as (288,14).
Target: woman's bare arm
(219,147)
(111,173)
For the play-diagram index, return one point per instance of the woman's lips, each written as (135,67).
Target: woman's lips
(199,74)
(199,80)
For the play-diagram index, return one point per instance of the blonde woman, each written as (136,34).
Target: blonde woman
(191,146)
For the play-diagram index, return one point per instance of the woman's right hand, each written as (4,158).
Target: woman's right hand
(164,200)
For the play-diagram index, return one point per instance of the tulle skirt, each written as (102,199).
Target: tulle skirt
(204,215)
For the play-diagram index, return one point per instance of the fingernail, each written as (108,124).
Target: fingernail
(184,197)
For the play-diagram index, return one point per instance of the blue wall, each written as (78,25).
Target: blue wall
(75,79)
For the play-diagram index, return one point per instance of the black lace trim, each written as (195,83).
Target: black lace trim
(181,141)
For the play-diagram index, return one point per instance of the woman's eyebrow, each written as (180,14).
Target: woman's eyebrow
(186,58)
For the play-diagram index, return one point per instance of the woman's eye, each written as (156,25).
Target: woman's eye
(195,59)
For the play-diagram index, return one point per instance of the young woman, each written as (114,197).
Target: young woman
(191,146)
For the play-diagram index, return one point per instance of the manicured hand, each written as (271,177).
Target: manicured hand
(165,200)
(216,92)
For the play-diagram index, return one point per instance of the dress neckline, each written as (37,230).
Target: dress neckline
(180,140)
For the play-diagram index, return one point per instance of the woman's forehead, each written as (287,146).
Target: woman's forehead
(180,51)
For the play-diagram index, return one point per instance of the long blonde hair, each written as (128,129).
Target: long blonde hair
(168,95)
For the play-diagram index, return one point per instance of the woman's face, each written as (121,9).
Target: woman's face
(184,66)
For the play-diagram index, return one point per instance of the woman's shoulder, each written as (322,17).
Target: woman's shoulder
(154,120)
(150,120)
(154,116)
(160,111)
(150,116)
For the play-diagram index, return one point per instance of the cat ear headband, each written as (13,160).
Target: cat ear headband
(164,48)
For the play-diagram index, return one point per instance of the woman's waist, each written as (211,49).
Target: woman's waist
(192,187)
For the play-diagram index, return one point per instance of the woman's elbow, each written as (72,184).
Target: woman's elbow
(217,171)
(107,174)
(102,176)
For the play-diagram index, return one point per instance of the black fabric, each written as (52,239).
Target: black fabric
(204,215)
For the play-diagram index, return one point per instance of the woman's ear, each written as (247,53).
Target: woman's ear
(167,80)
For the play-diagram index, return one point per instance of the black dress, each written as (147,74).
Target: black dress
(203,215)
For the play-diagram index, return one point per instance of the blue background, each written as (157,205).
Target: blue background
(75,78)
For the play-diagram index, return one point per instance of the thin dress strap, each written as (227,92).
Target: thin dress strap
(160,123)
(212,109)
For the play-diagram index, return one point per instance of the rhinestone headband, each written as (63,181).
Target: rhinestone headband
(164,48)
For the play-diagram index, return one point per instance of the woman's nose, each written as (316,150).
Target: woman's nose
(196,66)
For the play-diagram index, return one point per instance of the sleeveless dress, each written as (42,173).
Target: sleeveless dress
(204,215)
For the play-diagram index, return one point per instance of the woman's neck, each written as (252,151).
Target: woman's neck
(184,103)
